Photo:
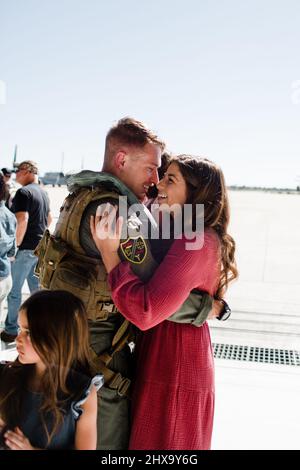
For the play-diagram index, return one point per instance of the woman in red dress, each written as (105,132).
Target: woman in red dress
(173,393)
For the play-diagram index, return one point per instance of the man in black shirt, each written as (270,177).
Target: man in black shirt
(32,209)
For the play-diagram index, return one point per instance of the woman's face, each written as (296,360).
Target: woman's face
(172,189)
(27,353)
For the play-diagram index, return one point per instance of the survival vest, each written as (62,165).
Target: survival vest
(64,264)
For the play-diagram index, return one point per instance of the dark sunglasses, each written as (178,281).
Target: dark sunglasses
(20,169)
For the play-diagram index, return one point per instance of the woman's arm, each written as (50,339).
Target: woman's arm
(86,428)
(147,304)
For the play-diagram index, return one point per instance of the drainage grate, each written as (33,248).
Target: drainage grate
(256,354)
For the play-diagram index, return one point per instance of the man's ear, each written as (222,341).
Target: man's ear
(120,159)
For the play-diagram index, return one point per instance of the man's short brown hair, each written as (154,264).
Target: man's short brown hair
(129,131)
(29,165)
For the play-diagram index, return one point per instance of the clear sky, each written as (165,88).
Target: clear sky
(217,78)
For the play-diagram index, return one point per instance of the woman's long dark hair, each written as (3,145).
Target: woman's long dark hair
(58,327)
(206,185)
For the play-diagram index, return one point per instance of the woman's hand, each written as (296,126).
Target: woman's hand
(16,440)
(106,232)
(216,309)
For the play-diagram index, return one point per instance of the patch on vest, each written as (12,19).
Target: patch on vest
(134,250)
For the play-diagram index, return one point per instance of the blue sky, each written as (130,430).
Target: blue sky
(213,78)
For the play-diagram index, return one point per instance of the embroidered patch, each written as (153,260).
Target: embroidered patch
(134,250)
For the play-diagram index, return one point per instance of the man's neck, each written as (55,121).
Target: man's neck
(110,170)
(34,180)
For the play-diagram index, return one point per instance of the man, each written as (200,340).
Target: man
(131,161)
(7,242)
(7,175)
(11,185)
(32,210)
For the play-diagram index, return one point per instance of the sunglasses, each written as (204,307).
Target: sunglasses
(22,169)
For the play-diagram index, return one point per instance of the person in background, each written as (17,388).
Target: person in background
(32,210)
(173,395)
(6,172)
(48,395)
(12,186)
(7,243)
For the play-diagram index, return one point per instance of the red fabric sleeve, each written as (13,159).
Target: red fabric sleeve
(147,304)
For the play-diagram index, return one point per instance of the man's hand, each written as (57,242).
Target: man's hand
(217,308)
(16,440)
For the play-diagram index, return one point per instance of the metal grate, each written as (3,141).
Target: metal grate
(256,354)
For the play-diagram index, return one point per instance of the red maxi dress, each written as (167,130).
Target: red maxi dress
(173,395)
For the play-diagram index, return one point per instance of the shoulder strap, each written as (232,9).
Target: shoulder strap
(67,227)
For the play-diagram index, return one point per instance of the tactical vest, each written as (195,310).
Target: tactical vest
(64,264)
(62,261)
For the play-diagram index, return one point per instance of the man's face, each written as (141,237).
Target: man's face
(22,174)
(139,170)
(7,178)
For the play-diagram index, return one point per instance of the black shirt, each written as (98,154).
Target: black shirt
(34,200)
